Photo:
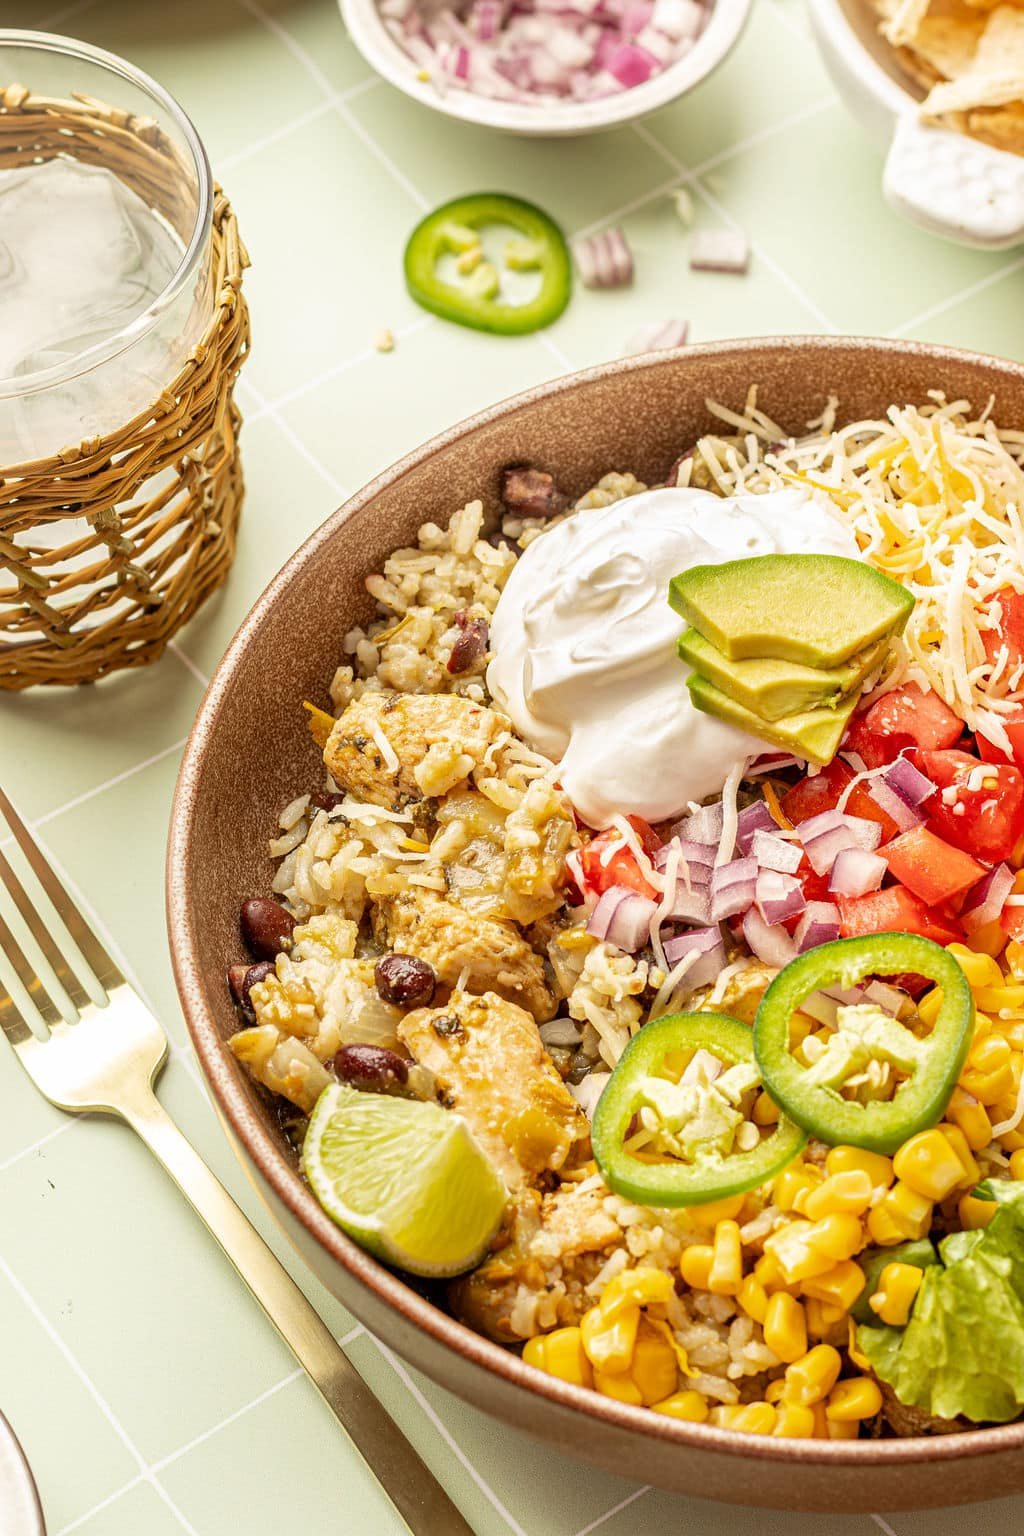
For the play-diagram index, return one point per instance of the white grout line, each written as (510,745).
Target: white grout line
(37,1146)
(382,155)
(99,789)
(269,411)
(616,1509)
(791,23)
(94,1392)
(940,308)
(762,135)
(550,345)
(189,665)
(228,162)
(281,402)
(663,188)
(449,1440)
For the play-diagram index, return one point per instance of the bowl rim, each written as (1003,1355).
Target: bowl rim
(885,85)
(281,1175)
(716,40)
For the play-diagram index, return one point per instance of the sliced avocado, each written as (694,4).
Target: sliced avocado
(773,688)
(814,734)
(816,610)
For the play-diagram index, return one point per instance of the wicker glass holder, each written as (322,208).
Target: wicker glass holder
(148,511)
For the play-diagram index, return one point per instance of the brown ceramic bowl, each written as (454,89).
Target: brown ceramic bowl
(249,752)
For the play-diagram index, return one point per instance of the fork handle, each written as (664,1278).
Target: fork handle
(408,1481)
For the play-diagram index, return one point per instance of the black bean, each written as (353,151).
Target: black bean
(405,980)
(371,1068)
(470,644)
(242,979)
(531,492)
(266,926)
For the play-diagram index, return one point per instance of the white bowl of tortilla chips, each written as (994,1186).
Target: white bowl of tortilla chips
(940,83)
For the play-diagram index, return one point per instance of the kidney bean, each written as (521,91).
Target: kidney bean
(371,1068)
(405,980)
(325,799)
(531,492)
(242,979)
(266,926)
(470,644)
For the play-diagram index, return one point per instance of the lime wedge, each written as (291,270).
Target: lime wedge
(405,1179)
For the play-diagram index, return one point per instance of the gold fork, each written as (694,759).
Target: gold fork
(107,1060)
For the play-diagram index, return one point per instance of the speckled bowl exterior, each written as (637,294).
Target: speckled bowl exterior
(249,753)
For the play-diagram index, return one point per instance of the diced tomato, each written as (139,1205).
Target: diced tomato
(986,820)
(861,804)
(895,910)
(621,868)
(874,748)
(915,712)
(1014,728)
(931,868)
(813,795)
(1009,631)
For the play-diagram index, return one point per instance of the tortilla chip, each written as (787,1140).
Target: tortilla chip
(991,5)
(1002,127)
(903,21)
(1001,48)
(996,73)
(948,40)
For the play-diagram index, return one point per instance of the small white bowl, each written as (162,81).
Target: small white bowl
(548,119)
(948,183)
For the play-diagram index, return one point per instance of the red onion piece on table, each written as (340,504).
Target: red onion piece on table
(719,250)
(659,336)
(778,896)
(986,900)
(819,925)
(603,260)
(856,872)
(774,852)
(771,944)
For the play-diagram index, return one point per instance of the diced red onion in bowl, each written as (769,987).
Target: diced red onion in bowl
(707,942)
(770,943)
(778,896)
(732,887)
(699,856)
(623,918)
(905,816)
(908,782)
(819,925)
(703,826)
(826,835)
(755,817)
(774,852)
(856,872)
(985,901)
(691,905)
(884,996)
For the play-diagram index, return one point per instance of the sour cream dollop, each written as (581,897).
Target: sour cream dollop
(585,658)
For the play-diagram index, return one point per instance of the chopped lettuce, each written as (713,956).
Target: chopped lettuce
(962,1352)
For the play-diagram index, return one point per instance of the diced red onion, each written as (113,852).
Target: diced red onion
(908,782)
(732,887)
(700,854)
(719,250)
(755,817)
(710,949)
(884,996)
(986,900)
(774,852)
(703,826)
(905,816)
(778,896)
(819,925)
(691,904)
(636,16)
(623,918)
(827,834)
(772,945)
(631,66)
(855,872)
(604,260)
(702,1066)
(824,1004)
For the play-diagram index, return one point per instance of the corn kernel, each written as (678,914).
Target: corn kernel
(988,1074)
(1014,958)
(793,1182)
(765,1111)
(929,1165)
(695,1265)
(810,1379)
(769,1272)
(714,1211)
(620,1387)
(840,1429)
(980,970)
(726,1274)
(894,1294)
(825,1320)
(608,1344)
(654,1371)
(753,1298)
(785,1327)
(958,1141)
(560,1354)
(856,1398)
(774,1390)
(794,1421)
(972,1118)
(748,1418)
(850,1191)
(839,1236)
(975,1213)
(1017,1165)
(1000,998)
(837,1287)
(1010,1141)
(638,1287)
(989,939)
(901,1214)
(856,1160)
(821,1425)
(688,1405)
(929,1005)
(793,1253)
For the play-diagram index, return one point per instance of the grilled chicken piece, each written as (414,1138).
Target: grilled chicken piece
(558,1241)
(492,1068)
(437,738)
(908,1421)
(488,954)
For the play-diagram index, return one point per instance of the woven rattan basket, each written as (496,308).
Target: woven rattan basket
(151,509)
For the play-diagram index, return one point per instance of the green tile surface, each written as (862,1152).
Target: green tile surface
(151,1394)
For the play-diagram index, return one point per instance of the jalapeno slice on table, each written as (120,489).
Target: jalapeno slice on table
(928,1063)
(456,228)
(690,1073)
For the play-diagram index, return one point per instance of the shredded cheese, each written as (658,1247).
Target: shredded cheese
(730,812)
(384,747)
(653,876)
(665,992)
(1017,1116)
(665,905)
